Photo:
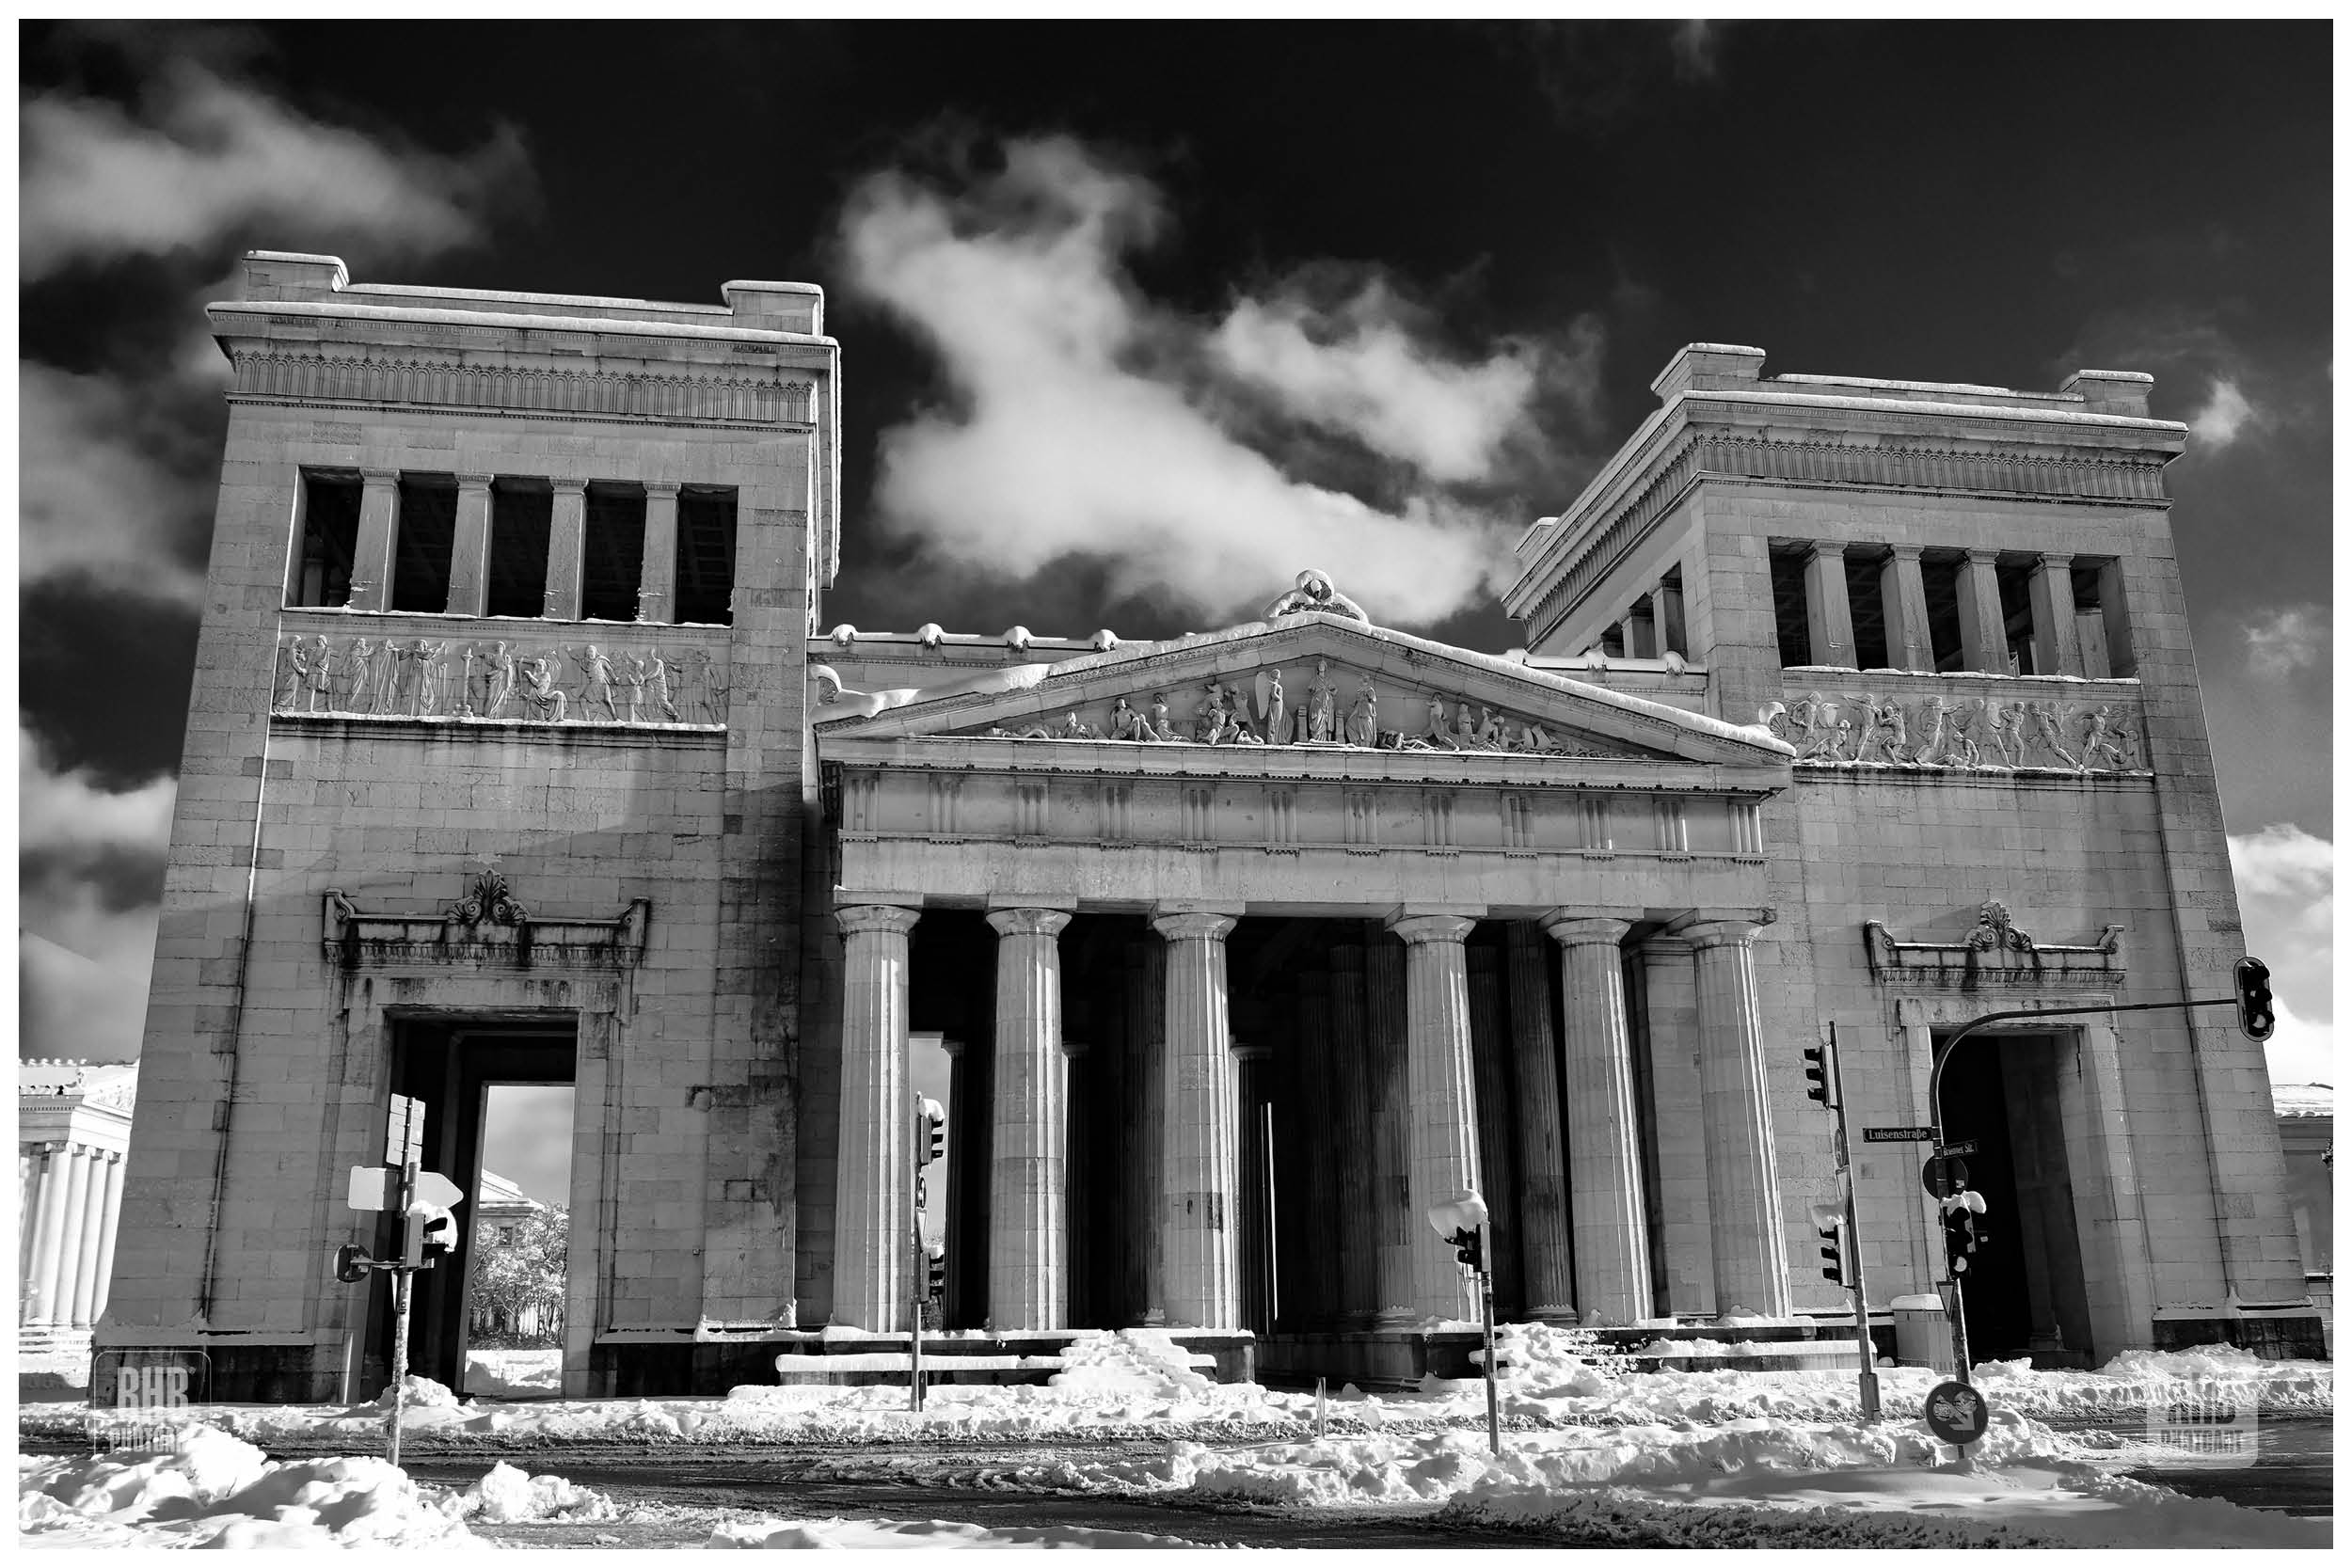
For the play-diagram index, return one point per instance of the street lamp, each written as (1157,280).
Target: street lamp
(1460,1221)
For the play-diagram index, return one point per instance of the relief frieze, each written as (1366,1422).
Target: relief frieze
(1992,732)
(501,680)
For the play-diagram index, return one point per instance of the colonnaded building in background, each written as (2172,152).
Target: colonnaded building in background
(520,750)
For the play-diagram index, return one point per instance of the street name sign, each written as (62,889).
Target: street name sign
(1899,1135)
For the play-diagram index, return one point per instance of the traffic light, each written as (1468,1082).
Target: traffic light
(431,1234)
(1820,1074)
(1834,1266)
(1963,1231)
(2256,1017)
(1469,1248)
(930,1132)
(935,1272)
(353,1265)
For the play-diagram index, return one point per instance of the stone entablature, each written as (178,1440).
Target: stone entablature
(298,376)
(410,666)
(1980,722)
(1995,952)
(488,927)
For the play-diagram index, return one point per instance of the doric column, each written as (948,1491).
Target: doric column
(1612,1280)
(1352,1082)
(1983,629)
(1444,1110)
(567,548)
(41,1292)
(1028,1215)
(1544,1259)
(1198,1170)
(470,557)
(2058,645)
(1147,1071)
(1250,1067)
(1742,1169)
(657,572)
(1490,1070)
(379,534)
(90,1236)
(1670,1015)
(69,1254)
(1828,619)
(873,1201)
(1393,1220)
(1903,594)
(1666,613)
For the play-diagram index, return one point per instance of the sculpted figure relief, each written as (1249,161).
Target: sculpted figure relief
(422,678)
(1867,729)
(1363,717)
(1322,701)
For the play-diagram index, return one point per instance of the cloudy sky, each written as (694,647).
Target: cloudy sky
(1139,318)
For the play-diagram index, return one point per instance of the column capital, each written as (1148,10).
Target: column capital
(2056,560)
(379,476)
(1976,555)
(1575,928)
(1704,934)
(953,1047)
(1251,1052)
(1027,922)
(474,481)
(1906,552)
(661,489)
(1417,931)
(568,486)
(1074,1049)
(1183,925)
(876,917)
(1828,547)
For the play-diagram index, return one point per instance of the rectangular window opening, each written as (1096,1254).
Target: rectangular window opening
(1789,618)
(320,574)
(424,542)
(705,557)
(1939,575)
(2094,626)
(521,513)
(615,552)
(1867,607)
(2015,576)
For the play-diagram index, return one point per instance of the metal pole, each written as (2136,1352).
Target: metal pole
(400,1274)
(1487,1318)
(1869,1388)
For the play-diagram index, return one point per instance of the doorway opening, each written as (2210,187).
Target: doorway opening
(450,1066)
(2025,1289)
(520,1226)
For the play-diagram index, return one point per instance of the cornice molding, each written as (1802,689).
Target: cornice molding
(747,396)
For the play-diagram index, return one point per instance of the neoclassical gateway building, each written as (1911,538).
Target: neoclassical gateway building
(521,752)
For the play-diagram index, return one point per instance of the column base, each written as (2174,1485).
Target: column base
(1558,1317)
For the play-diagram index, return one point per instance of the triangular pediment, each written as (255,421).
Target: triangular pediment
(1311,681)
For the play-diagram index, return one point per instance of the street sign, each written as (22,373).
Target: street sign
(1942,1174)
(1899,1135)
(404,1132)
(371,1188)
(438,1190)
(1957,1413)
(1966,1145)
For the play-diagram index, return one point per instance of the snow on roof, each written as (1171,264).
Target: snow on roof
(2303,1100)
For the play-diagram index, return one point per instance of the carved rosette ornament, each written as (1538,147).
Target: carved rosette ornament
(1987,734)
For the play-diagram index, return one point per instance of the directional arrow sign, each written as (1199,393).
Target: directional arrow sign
(438,1190)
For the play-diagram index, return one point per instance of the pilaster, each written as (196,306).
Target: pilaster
(470,553)
(656,575)
(567,548)
(2058,647)
(379,535)
(1828,618)
(1903,595)
(1984,634)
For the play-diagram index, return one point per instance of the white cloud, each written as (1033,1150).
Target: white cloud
(2225,414)
(2299,1051)
(1694,48)
(2287,641)
(1075,433)
(83,961)
(2286,895)
(206,159)
(1361,370)
(91,495)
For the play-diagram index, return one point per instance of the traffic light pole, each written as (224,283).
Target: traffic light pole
(1486,1320)
(401,1277)
(1868,1387)
(1954,1304)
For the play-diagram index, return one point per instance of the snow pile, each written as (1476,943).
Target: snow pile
(420,1393)
(537,1370)
(1139,1362)
(507,1496)
(932,1533)
(209,1489)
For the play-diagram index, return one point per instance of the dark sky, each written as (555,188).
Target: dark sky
(1546,211)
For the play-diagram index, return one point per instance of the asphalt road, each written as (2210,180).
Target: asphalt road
(2292,1470)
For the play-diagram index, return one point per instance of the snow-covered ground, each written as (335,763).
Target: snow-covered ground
(537,1373)
(1726,1457)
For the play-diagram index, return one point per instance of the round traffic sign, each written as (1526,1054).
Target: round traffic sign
(1957,1413)
(1942,1174)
